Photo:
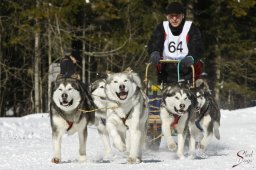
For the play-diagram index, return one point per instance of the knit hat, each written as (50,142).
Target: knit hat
(67,53)
(175,7)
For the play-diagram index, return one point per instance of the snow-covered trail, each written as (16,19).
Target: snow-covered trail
(25,143)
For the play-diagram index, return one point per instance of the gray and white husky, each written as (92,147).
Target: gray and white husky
(69,95)
(177,104)
(127,113)
(97,89)
(205,121)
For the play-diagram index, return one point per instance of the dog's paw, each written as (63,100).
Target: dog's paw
(172,146)
(133,160)
(108,156)
(56,160)
(180,155)
(191,157)
(201,154)
(82,158)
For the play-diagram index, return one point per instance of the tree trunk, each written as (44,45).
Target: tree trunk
(49,63)
(83,50)
(36,73)
(37,68)
(1,56)
(190,8)
(218,73)
(58,30)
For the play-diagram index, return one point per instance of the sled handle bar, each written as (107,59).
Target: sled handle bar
(161,61)
(178,71)
(169,61)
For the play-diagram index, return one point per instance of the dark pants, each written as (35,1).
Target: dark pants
(67,67)
(168,73)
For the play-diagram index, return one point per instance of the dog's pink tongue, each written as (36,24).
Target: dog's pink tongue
(65,102)
(122,95)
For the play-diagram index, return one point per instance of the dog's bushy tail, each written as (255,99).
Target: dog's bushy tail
(216,126)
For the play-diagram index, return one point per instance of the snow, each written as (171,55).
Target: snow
(25,143)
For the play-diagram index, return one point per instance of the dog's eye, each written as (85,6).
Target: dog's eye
(168,95)
(125,80)
(186,98)
(177,98)
(60,89)
(102,87)
(115,81)
(69,89)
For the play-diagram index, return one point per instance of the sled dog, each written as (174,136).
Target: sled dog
(100,100)
(177,103)
(127,122)
(68,96)
(205,121)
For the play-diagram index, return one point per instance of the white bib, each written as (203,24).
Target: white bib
(175,47)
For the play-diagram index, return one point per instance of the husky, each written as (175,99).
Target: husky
(177,104)
(68,96)
(127,113)
(97,89)
(205,121)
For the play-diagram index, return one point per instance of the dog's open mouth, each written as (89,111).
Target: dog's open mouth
(122,95)
(66,103)
(180,111)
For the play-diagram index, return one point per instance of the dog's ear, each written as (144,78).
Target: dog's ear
(200,83)
(192,96)
(128,70)
(136,79)
(91,87)
(167,88)
(109,73)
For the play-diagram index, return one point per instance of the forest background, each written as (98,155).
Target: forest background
(113,35)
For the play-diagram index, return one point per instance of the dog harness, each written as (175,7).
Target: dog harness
(175,121)
(59,111)
(70,125)
(201,112)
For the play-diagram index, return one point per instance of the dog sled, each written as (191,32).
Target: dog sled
(154,94)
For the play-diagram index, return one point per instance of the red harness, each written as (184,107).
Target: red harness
(70,124)
(175,121)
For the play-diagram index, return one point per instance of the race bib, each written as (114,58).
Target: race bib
(175,47)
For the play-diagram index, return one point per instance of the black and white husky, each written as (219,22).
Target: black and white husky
(177,104)
(127,113)
(69,95)
(97,89)
(205,121)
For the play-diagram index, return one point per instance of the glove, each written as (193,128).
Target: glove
(187,61)
(155,57)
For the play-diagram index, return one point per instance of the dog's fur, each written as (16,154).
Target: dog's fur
(67,97)
(177,104)
(97,89)
(127,113)
(205,121)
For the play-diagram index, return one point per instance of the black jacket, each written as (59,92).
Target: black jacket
(67,67)
(168,72)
